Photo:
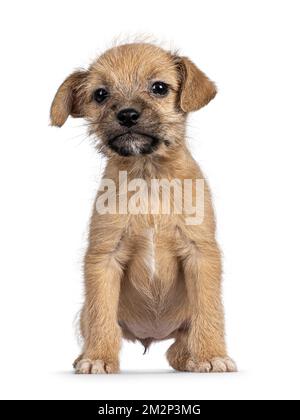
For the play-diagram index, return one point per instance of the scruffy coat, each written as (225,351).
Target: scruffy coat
(148,276)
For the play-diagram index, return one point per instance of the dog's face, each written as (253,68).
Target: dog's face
(135,98)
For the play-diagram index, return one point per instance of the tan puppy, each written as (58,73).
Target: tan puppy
(147,276)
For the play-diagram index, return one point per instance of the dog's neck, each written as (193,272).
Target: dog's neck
(177,163)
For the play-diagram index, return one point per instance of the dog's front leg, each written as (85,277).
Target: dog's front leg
(99,323)
(205,343)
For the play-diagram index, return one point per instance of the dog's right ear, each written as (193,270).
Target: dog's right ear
(69,99)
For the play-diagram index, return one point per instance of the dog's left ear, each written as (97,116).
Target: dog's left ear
(196,89)
(69,99)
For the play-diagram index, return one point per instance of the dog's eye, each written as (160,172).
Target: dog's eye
(100,95)
(159,88)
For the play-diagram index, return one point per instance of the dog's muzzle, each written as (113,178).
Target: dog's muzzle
(133,144)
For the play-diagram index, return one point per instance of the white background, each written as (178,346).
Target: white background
(247,142)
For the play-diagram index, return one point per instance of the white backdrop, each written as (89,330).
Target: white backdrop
(246,141)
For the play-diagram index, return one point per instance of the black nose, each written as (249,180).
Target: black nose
(128,117)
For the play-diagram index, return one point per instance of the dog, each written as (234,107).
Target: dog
(148,277)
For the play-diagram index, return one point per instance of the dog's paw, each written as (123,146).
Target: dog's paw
(217,364)
(88,366)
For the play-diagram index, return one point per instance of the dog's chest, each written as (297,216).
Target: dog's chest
(153,266)
(150,253)
(152,293)
(142,267)
(153,254)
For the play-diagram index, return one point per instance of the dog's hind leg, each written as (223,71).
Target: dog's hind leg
(178,354)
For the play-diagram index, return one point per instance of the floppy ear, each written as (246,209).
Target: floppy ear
(69,99)
(196,88)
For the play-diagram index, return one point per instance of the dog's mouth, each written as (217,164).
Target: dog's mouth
(133,143)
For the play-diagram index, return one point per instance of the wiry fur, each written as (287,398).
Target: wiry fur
(147,277)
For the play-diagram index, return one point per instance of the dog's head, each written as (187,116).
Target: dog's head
(135,98)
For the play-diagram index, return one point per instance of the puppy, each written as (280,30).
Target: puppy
(148,276)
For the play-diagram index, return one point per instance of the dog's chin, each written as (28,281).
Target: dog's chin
(133,144)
